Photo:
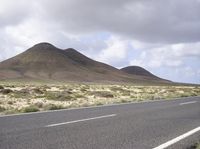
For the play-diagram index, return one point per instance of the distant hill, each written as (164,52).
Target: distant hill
(137,70)
(47,62)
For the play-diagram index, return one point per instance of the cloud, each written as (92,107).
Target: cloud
(13,13)
(161,36)
(172,55)
(169,21)
(177,62)
(115,52)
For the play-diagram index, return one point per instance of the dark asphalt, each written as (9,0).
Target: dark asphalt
(135,126)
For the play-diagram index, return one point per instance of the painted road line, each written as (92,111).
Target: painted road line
(175,140)
(81,120)
(186,103)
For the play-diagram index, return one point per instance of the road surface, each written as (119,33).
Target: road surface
(170,124)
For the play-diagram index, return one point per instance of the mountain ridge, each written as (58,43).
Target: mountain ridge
(45,61)
(137,70)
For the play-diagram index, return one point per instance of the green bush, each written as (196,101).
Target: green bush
(104,94)
(78,96)
(115,89)
(2,109)
(198,146)
(6,91)
(186,95)
(99,103)
(38,91)
(39,104)
(53,107)
(195,146)
(124,101)
(31,108)
(126,93)
(59,96)
(10,102)
(21,93)
(13,111)
(24,91)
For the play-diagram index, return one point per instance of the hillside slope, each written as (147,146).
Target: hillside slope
(46,62)
(137,70)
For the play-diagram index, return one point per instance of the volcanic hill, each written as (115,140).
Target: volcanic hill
(47,62)
(137,70)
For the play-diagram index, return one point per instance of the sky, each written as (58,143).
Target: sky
(161,36)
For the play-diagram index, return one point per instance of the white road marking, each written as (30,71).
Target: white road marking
(185,103)
(175,140)
(81,120)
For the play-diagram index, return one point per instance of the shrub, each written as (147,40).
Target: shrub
(37,91)
(45,87)
(13,111)
(2,109)
(104,94)
(124,101)
(21,93)
(126,93)
(24,91)
(40,96)
(115,89)
(134,96)
(11,86)
(99,103)
(198,145)
(1,87)
(185,95)
(10,102)
(84,88)
(59,96)
(78,96)
(39,104)
(53,107)
(31,108)
(6,91)
(84,105)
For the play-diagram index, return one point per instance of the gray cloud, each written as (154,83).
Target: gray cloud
(147,20)
(14,13)
(159,35)
(170,21)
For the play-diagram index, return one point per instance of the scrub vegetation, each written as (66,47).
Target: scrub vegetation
(195,146)
(16,98)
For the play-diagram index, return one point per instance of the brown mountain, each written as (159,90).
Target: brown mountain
(137,70)
(46,62)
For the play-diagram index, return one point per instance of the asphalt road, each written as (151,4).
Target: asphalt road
(127,126)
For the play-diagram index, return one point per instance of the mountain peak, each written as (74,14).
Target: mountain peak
(137,70)
(43,46)
(72,51)
(45,61)
(78,57)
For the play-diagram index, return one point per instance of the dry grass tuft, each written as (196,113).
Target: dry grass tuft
(32,98)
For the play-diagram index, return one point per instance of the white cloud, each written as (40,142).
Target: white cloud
(172,55)
(170,21)
(178,62)
(198,73)
(115,52)
(153,34)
